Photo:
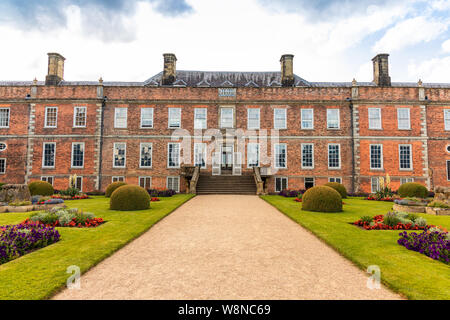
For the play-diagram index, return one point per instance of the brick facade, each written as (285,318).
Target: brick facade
(26,133)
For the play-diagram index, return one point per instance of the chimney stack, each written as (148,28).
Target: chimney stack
(170,69)
(287,70)
(55,69)
(381,70)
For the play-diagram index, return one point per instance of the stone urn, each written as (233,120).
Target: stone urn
(14,193)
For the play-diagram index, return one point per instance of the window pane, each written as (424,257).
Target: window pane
(119,154)
(280,156)
(280,184)
(80,117)
(333,156)
(174,155)
(307,118)
(147,118)
(332,118)
(146,155)
(375,184)
(403,118)
(226,117)
(200,118)
(374,118)
(120,118)
(447,119)
(253,155)
(375,156)
(307,156)
(49,155)
(200,154)
(78,155)
(253,118)
(2,165)
(51,117)
(405,157)
(4,117)
(279,118)
(174,118)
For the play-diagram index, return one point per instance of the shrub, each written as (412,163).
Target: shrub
(41,188)
(71,192)
(339,188)
(366,219)
(438,204)
(60,217)
(129,198)
(391,219)
(112,187)
(323,199)
(412,189)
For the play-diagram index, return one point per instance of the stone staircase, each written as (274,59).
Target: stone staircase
(226,184)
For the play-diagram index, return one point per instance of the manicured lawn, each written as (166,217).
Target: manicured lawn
(40,274)
(410,273)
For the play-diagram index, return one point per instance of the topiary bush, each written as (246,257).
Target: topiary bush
(129,198)
(339,188)
(112,187)
(412,189)
(41,188)
(323,199)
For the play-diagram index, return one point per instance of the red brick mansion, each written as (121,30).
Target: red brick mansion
(297,133)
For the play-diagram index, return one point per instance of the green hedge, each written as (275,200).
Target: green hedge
(41,188)
(322,199)
(338,187)
(412,189)
(112,187)
(129,198)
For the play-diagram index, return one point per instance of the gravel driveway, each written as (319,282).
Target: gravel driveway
(226,247)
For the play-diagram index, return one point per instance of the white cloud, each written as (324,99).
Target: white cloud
(434,70)
(446,46)
(410,32)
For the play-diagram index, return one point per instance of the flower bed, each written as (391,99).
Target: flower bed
(380,199)
(289,193)
(161,192)
(153,199)
(392,221)
(81,196)
(58,217)
(298,200)
(432,243)
(18,240)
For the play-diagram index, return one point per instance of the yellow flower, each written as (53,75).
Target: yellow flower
(381,183)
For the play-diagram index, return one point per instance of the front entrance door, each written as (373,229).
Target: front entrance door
(227,157)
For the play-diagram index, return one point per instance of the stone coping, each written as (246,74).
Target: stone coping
(37,207)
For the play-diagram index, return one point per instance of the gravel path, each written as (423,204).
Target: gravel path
(226,247)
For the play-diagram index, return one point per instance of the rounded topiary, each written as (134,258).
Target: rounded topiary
(112,187)
(41,188)
(323,199)
(129,198)
(412,189)
(339,187)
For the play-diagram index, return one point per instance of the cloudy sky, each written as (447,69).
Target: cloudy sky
(123,40)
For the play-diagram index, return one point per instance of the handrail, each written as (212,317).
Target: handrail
(258,181)
(194,180)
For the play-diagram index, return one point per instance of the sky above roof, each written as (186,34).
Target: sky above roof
(123,40)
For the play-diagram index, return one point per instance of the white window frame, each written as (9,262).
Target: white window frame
(334,178)
(8,118)
(75,112)
(142,118)
(71,157)
(178,184)
(117,179)
(221,118)
(408,127)
(406,180)
(275,155)
(410,157)
(381,156)
(447,119)
(372,179)
(313,180)
(145,178)
(203,122)
(249,121)
(168,156)
(125,155)
(329,110)
(257,154)
(116,114)
(196,146)
(312,150)
(372,125)
(328,155)
(150,145)
(282,178)
(43,155)
(46,117)
(45,179)
(171,119)
(3,172)
(312,119)
(81,187)
(284,119)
